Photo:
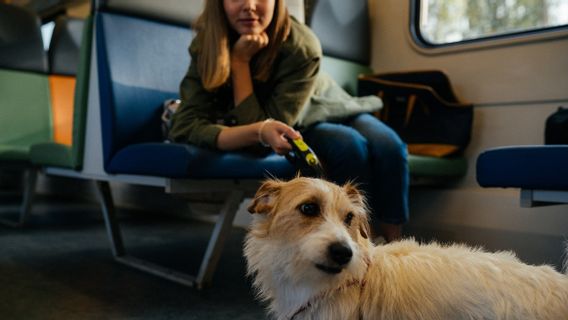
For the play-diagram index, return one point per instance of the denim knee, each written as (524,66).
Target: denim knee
(342,150)
(384,143)
(391,151)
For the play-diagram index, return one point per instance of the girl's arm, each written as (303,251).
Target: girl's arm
(242,52)
(292,82)
(269,132)
(192,122)
(266,132)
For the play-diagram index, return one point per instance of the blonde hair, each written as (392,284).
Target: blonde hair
(213,63)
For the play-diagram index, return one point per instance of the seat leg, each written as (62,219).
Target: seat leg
(212,254)
(218,237)
(113,229)
(30,180)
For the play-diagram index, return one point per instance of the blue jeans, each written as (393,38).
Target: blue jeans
(365,150)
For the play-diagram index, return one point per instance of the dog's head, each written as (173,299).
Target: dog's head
(308,230)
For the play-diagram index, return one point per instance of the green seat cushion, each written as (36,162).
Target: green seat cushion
(14,153)
(25,112)
(53,154)
(424,166)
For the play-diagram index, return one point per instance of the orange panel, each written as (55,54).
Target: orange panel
(62,95)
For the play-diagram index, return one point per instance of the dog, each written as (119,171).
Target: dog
(310,256)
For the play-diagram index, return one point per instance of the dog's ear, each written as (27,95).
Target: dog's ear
(356,196)
(263,200)
(365,229)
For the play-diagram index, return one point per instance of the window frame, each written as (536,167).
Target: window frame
(503,39)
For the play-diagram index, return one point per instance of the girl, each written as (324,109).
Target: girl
(254,76)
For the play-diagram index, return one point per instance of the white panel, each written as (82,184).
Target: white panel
(93,150)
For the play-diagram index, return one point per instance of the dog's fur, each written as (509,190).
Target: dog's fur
(288,254)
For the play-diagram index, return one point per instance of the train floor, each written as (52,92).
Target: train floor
(60,266)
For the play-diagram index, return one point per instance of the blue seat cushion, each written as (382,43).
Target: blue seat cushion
(528,167)
(177,160)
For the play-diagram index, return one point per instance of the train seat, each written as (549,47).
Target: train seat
(25,109)
(69,55)
(24,90)
(343,29)
(539,171)
(133,84)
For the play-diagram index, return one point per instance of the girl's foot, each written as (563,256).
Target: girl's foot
(391,232)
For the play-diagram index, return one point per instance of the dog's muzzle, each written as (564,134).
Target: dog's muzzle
(339,254)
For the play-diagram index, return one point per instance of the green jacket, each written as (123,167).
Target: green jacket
(296,94)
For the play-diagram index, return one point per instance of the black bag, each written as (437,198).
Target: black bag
(422,108)
(556,129)
(169,107)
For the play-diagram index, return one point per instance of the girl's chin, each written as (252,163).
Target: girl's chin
(250,31)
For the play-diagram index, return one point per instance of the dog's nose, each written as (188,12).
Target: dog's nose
(340,253)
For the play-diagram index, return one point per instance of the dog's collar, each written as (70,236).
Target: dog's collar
(314,299)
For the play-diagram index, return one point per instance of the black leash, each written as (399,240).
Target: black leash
(305,159)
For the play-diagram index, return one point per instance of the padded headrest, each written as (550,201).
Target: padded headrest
(343,29)
(181,12)
(65,46)
(21,45)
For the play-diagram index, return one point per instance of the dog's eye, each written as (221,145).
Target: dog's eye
(309,209)
(348,218)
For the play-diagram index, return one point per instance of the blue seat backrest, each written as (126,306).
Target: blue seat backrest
(141,63)
(21,45)
(343,29)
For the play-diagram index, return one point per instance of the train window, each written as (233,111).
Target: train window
(442,22)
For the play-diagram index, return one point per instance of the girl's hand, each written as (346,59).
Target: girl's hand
(247,46)
(274,134)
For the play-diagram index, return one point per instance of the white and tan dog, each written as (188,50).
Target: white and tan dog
(309,253)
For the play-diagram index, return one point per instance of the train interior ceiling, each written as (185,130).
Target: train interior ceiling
(513,82)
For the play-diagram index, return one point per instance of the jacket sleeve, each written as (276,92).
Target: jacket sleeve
(294,82)
(192,122)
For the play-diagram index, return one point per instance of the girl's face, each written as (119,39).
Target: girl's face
(249,16)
